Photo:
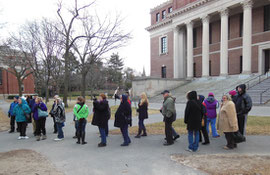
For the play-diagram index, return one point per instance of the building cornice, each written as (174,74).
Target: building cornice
(188,7)
(160,24)
(161,6)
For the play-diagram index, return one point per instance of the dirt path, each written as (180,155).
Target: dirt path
(26,162)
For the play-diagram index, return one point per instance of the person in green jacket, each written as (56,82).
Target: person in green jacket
(20,111)
(169,114)
(81,112)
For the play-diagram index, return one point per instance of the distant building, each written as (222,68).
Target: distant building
(202,38)
(9,83)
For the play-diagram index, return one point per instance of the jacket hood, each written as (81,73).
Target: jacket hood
(201,98)
(210,99)
(243,87)
(124,98)
(192,95)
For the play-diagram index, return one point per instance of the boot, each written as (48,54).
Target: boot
(44,137)
(75,137)
(38,138)
(144,133)
(83,138)
(78,138)
(139,134)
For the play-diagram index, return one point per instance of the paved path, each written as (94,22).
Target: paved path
(144,156)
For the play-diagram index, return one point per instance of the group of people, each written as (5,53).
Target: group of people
(199,114)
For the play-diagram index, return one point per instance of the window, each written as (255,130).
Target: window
(241,64)
(163,45)
(194,69)
(210,33)
(241,25)
(22,87)
(163,14)
(267,18)
(170,10)
(157,17)
(194,37)
(229,28)
(1,77)
(163,72)
(210,67)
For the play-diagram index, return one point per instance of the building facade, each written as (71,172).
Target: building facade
(202,38)
(9,84)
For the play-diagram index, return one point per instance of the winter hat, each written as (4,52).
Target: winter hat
(211,94)
(232,93)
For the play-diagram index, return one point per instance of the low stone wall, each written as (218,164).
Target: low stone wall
(153,86)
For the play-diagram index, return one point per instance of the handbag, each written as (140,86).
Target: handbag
(42,113)
(238,137)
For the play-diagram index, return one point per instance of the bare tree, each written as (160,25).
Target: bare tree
(102,36)
(70,36)
(15,63)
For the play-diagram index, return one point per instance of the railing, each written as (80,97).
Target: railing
(261,95)
(251,83)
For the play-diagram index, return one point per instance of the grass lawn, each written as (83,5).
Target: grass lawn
(4,121)
(255,126)
(134,112)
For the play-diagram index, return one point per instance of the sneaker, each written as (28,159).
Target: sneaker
(189,150)
(37,138)
(137,136)
(205,143)
(20,137)
(11,131)
(102,144)
(216,136)
(44,137)
(124,144)
(26,137)
(57,139)
(176,137)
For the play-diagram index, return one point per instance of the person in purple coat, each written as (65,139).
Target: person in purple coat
(40,121)
(211,107)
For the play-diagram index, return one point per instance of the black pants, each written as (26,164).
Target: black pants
(242,123)
(22,128)
(168,131)
(54,125)
(230,141)
(204,132)
(40,124)
(12,123)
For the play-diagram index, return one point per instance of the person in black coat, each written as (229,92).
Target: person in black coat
(143,114)
(101,117)
(123,119)
(204,119)
(193,119)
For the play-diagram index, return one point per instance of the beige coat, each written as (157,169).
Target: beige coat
(227,117)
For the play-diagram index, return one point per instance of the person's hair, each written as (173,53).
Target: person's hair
(144,99)
(103,96)
(81,99)
(56,96)
(228,97)
(39,99)
(187,95)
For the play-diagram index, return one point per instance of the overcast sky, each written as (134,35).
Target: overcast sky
(135,12)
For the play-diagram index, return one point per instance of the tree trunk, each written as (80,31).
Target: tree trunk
(20,85)
(83,84)
(66,80)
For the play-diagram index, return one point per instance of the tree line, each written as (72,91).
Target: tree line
(69,52)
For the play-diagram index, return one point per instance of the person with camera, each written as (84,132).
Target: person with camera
(101,117)
(81,111)
(58,112)
(123,119)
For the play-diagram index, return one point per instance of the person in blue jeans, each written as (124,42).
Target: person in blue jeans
(123,119)
(101,116)
(193,119)
(59,113)
(211,108)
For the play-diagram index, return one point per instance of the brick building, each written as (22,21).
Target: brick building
(201,38)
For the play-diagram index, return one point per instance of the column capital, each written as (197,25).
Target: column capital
(224,12)
(247,4)
(189,23)
(205,19)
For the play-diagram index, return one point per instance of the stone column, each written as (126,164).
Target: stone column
(190,60)
(205,47)
(224,42)
(247,36)
(176,52)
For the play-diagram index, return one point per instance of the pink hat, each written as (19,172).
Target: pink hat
(211,94)
(232,93)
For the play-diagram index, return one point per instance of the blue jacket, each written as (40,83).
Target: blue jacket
(12,106)
(41,106)
(18,112)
